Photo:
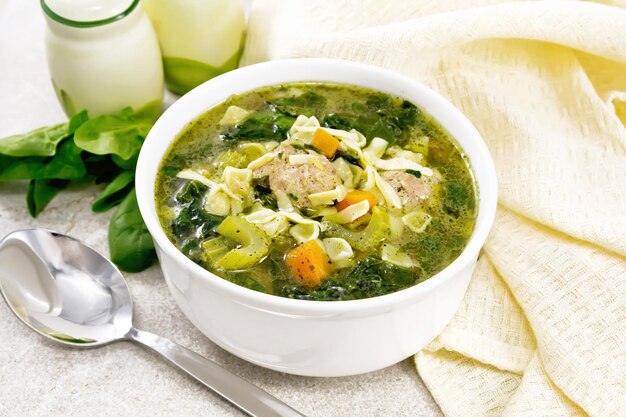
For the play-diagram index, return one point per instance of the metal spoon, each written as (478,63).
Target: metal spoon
(68,292)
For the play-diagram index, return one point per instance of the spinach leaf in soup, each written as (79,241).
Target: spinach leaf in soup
(192,225)
(458,197)
(308,104)
(264,195)
(371,277)
(269,123)
(379,117)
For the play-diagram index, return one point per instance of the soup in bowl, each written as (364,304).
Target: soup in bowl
(316,217)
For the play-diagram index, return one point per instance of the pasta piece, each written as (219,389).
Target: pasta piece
(338,249)
(375,151)
(350,213)
(271,145)
(401,164)
(376,148)
(393,254)
(238,180)
(304,124)
(217,202)
(391,197)
(396,227)
(356,196)
(221,200)
(328,198)
(298,218)
(416,221)
(271,222)
(370,178)
(260,161)
(357,174)
(359,138)
(344,172)
(190,174)
(397,152)
(252,151)
(276,226)
(283,201)
(302,130)
(304,232)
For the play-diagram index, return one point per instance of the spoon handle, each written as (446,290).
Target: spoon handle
(248,397)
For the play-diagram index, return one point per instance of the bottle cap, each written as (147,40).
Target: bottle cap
(87,13)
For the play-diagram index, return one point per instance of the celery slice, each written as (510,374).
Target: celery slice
(214,249)
(367,240)
(253,243)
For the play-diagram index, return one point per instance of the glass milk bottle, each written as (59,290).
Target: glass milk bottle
(103,55)
(199,39)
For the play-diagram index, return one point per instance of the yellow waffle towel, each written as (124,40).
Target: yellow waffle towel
(542,329)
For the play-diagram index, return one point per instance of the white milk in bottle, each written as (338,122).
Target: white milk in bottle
(103,55)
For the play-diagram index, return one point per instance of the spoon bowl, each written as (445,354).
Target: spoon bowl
(70,293)
(63,289)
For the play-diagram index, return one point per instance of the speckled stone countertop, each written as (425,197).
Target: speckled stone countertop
(43,379)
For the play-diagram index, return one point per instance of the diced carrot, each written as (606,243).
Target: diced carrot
(308,264)
(356,196)
(325,142)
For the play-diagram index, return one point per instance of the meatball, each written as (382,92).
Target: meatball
(298,181)
(413,191)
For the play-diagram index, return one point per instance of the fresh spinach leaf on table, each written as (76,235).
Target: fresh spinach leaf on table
(103,149)
(130,243)
(38,142)
(100,168)
(66,164)
(120,135)
(41,192)
(115,191)
(43,141)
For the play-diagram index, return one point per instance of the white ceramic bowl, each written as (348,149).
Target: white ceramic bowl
(317,338)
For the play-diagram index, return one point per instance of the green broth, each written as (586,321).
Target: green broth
(205,145)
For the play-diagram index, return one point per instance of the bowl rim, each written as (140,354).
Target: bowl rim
(146,177)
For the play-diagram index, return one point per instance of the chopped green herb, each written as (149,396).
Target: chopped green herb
(264,195)
(417,174)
